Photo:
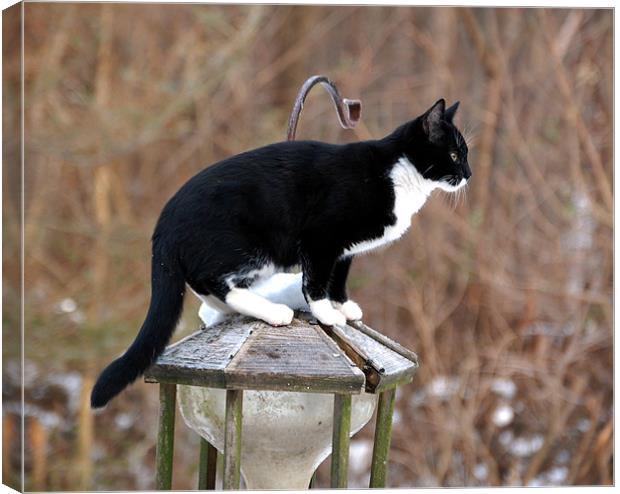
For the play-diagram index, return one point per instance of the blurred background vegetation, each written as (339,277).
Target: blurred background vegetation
(506,295)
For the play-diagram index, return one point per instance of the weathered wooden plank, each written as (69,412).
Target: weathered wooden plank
(383,436)
(266,382)
(232,439)
(231,355)
(165,436)
(384,340)
(359,346)
(190,377)
(384,358)
(382,367)
(334,336)
(340,441)
(206,352)
(292,358)
(207,466)
(363,362)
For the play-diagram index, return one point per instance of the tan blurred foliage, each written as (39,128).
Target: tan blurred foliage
(506,294)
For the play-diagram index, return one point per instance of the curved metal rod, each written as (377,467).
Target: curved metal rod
(349,110)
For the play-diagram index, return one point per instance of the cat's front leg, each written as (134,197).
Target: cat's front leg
(338,290)
(317,267)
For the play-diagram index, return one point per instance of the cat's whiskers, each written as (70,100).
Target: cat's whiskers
(470,134)
(471,141)
(463,192)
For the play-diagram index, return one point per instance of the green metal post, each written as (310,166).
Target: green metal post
(383,436)
(340,440)
(232,439)
(207,466)
(165,436)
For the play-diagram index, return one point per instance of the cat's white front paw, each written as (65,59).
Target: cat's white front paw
(279,315)
(324,311)
(350,310)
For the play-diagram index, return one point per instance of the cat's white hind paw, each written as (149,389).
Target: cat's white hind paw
(324,311)
(279,315)
(250,304)
(350,310)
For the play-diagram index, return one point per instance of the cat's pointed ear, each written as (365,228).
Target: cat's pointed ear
(448,115)
(431,120)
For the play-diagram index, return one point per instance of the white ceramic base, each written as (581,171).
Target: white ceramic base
(285,436)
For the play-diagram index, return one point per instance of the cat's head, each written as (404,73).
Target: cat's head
(437,149)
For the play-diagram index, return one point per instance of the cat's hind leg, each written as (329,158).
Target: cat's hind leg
(250,304)
(212,302)
(217,304)
(229,284)
(227,298)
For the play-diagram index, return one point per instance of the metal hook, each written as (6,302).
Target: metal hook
(349,110)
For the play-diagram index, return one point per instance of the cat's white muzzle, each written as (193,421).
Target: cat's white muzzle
(451,188)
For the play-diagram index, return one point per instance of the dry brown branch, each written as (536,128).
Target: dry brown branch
(38,444)
(102,186)
(594,407)
(558,423)
(574,113)
(8,441)
(85,438)
(492,104)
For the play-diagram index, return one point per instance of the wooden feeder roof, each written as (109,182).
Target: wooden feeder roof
(245,353)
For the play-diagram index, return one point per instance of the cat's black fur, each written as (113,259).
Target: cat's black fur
(289,204)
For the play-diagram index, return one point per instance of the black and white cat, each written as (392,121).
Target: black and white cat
(301,203)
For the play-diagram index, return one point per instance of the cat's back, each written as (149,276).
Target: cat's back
(271,178)
(274,160)
(278,161)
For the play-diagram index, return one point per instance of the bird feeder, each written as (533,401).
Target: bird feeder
(304,372)
(275,401)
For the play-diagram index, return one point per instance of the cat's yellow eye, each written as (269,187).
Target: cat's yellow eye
(453,156)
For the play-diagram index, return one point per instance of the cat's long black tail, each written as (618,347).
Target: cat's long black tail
(168,289)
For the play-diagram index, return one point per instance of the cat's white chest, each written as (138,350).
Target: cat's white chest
(411,191)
